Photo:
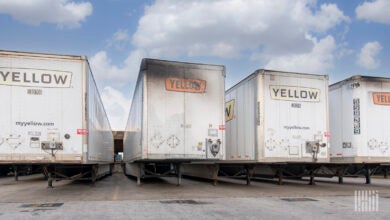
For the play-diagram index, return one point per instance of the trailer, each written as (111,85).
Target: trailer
(359,110)
(52,116)
(360,125)
(273,119)
(176,116)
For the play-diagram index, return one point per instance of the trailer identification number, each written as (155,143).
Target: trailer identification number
(356,116)
(185,85)
(35,77)
(381,98)
(34,91)
(293,93)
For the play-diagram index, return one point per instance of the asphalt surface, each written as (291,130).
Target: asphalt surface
(118,197)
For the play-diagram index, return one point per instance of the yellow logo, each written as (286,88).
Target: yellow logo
(229,110)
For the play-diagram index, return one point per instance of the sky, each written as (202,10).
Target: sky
(337,38)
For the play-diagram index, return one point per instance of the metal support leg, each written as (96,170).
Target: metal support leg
(340,174)
(139,175)
(16,173)
(215,174)
(368,176)
(312,182)
(50,180)
(94,169)
(280,176)
(178,172)
(111,169)
(138,181)
(248,175)
(341,179)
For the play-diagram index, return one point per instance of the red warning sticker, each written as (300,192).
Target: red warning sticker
(327,134)
(222,127)
(82,131)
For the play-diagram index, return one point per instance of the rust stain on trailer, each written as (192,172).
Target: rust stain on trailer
(185,85)
(381,98)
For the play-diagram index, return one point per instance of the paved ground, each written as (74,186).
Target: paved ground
(118,197)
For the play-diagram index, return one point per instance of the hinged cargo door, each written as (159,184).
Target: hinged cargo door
(165,113)
(204,121)
(344,109)
(295,116)
(42,109)
(377,120)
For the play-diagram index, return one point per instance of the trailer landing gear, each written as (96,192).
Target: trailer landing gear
(152,169)
(75,172)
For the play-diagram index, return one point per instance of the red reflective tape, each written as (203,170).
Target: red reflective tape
(327,134)
(82,131)
(339,154)
(222,127)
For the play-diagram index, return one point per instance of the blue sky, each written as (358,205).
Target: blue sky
(338,38)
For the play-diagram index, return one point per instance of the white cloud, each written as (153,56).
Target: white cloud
(321,21)
(281,30)
(107,73)
(64,13)
(317,60)
(119,39)
(172,28)
(117,107)
(375,11)
(367,56)
(111,78)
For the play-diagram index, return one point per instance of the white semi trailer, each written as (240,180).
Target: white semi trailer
(274,116)
(52,116)
(275,121)
(176,116)
(359,127)
(359,112)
